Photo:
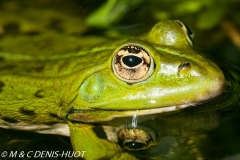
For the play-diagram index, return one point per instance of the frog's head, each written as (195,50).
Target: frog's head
(154,74)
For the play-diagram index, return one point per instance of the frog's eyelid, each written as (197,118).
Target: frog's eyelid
(187,31)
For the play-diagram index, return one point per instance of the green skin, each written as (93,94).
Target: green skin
(41,89)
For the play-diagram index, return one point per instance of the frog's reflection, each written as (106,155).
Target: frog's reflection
(154,134)
(150,129)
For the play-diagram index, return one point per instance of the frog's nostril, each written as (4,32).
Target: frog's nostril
(184,65)
(184,68)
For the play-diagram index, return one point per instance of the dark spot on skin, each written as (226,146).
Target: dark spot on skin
(99,131)
(36,69)
(32,32)
(27,112)
(11,28)
(62,66)
(55,24)
(1,86)
(55,116)
(8,67)
(38,94)
(9,120)
(60,103)
(184,65)
(39,69)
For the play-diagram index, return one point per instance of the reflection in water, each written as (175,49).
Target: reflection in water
(134,120)
(167,132)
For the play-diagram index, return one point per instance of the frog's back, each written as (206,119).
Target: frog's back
(45,46)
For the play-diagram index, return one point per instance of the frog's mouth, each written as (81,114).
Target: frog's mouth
(100,115)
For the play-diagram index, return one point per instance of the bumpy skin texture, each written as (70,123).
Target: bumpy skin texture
(82,86)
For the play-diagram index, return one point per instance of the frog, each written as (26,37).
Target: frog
(69,93)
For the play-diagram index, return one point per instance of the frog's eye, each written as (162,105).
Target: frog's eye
(132,64)
(134,138)
(187,31)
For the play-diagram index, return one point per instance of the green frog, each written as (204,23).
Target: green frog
(50,92)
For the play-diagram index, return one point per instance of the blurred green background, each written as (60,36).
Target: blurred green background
(214,22)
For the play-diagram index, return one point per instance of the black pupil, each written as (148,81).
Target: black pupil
(135,145)
(131,60)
